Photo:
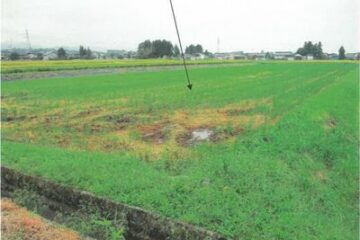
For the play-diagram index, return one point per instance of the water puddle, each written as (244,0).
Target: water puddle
(201,135)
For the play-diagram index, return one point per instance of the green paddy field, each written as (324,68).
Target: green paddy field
(281,161)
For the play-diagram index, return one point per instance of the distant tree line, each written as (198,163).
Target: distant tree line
(84,53)
(311,49)
(196,49)
(164,48)
(156,49)
(316,50)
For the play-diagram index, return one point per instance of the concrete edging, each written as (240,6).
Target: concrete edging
(139,224)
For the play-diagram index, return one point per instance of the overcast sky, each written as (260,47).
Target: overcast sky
(248,25)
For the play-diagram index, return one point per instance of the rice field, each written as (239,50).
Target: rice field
(267,150)
(57,65)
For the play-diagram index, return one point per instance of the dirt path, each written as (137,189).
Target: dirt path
(17,223)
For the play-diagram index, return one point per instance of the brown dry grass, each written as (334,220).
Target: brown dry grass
(17,223)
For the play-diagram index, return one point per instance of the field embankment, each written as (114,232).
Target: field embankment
(113,220)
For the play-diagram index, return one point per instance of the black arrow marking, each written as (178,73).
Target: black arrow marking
(181,48)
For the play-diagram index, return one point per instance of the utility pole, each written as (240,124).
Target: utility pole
(28,40)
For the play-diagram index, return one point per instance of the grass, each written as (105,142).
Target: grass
(283,164)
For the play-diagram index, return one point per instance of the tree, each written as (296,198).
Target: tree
(85,53)
(193,49)
(342,53)
(155,49)
(208,54)
(176,51)
(82,52)
(189,49)
(317,51)
(61,53)
(161,48)
(39,56)
(167,48)
(198,49)
(14,56)
(145,49)
(269,55)
(88,53)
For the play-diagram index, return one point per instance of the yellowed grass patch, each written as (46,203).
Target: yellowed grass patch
(17,223)
(119,128)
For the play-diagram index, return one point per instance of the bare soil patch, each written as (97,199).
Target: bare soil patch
(120,121)
(8,116)
(152,133)
(87,112)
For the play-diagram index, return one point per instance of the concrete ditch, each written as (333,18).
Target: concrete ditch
(138,224)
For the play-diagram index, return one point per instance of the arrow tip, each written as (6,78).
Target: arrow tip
(189,86)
